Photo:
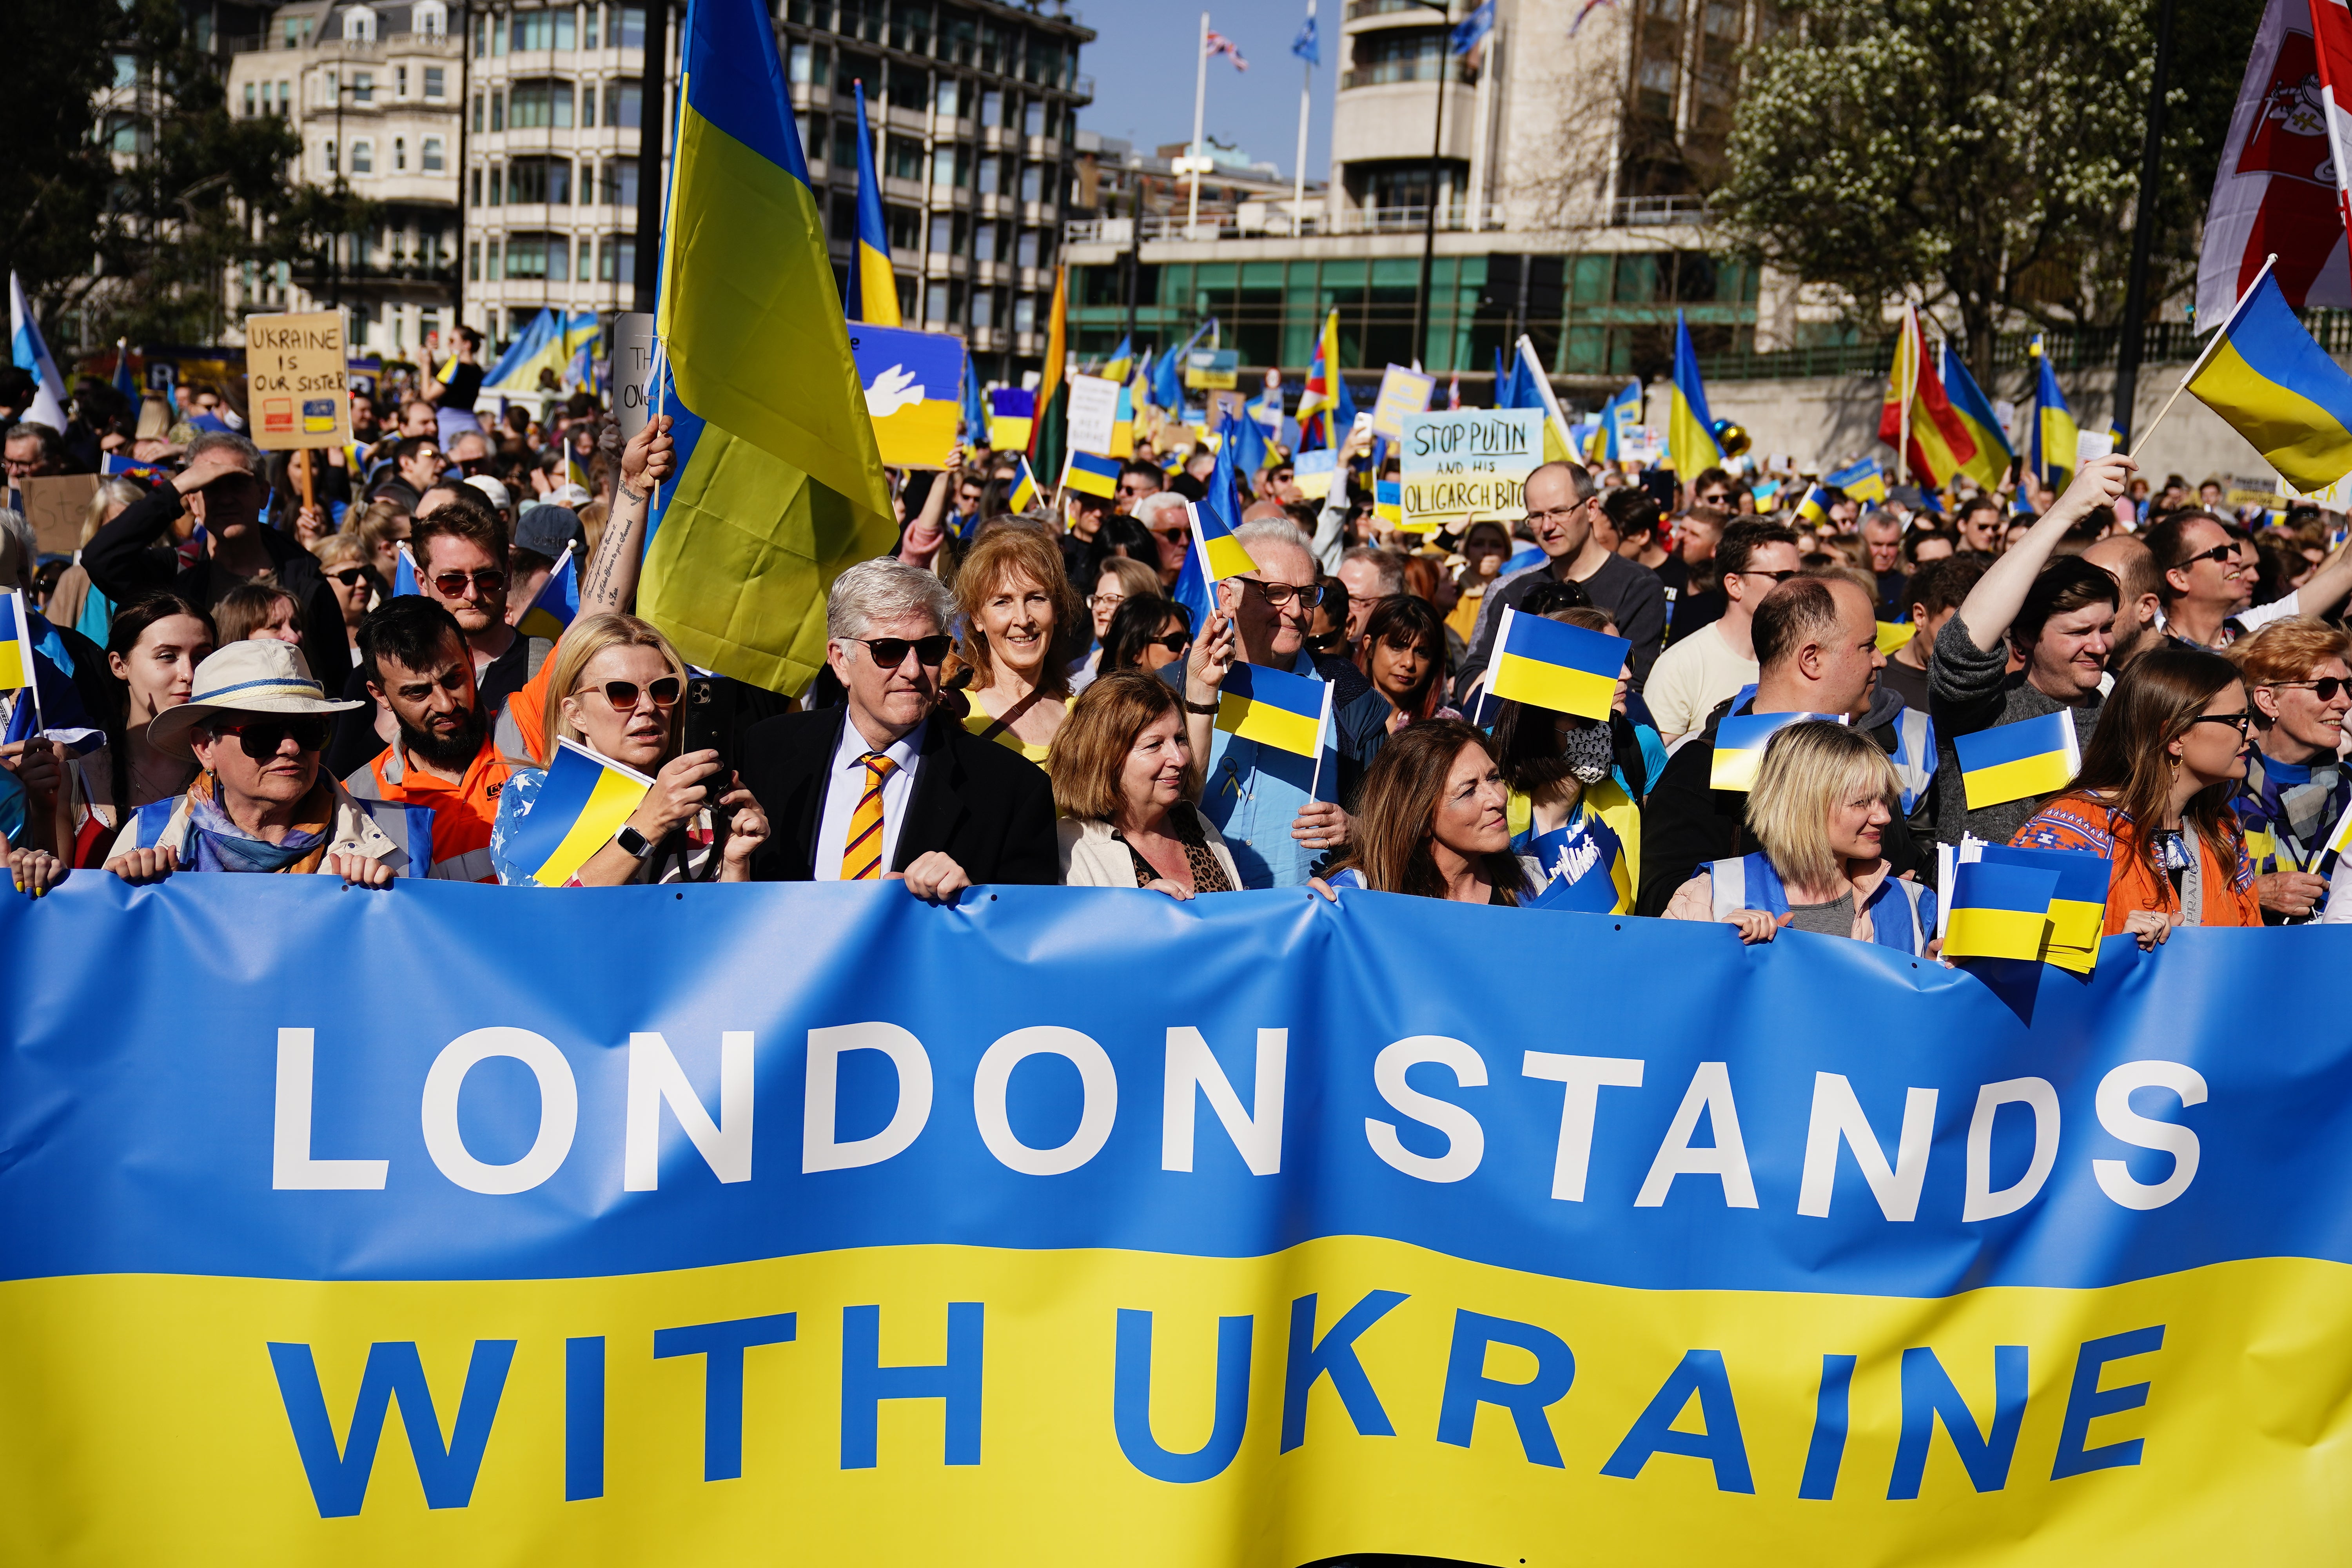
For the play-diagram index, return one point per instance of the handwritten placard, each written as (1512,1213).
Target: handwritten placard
(1468,463)
(297,379)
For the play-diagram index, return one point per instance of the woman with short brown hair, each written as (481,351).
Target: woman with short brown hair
(1021,619)
(1124,778)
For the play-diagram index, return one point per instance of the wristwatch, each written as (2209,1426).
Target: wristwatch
(632,843)
(1207,708)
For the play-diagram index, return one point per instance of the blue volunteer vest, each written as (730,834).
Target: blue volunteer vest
(1903,919)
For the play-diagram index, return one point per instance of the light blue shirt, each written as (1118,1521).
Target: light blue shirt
(1253,792)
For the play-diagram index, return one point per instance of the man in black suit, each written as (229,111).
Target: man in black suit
(888,786)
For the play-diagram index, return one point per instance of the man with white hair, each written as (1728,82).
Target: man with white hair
(886,787)
(1280,812)
(1165,513)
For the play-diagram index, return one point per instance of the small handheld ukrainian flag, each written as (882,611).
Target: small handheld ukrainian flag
(1274,708)
(1550,664)
(1999,912)
(2263,374)
(1893,635)
(1024,496)
(2078,906)
(558,604)
(1388,502)
(1815,508)
(1865,480)
(873,286)
(2013,762)
(1740,743)
(1222,555)
(1089,475)
(15,644)
(1121,361)
(581,804)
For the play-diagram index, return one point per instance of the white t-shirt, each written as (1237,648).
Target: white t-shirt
(1691,678)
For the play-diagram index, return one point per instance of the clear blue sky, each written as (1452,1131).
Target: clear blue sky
(1142,66)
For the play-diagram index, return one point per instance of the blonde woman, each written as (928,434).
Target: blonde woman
(381,528)
(1124,779)
(619,688)
(73,601)
(1822,799)
(1020,617)
(343,560)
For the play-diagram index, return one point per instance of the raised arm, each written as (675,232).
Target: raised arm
(611,579)
(2000,593)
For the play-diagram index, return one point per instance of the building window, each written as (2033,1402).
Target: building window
(536,104)
(1032,118)
(498,109)
(903,157)
(632,27)
(400,81)
(595,15)
(947,97)
(616,260)
(479,123)
(935,302)
(329,150)
(584,258)
(1024,313)
(285,98)
(474,189)
(432,162)
(985,242)
(364,86)
(399,155)
(548,180)
(624,100)
(1033,180)
(248,100)
(618,186)
(988,168)
(534,29)
(497,185)
(813,129)
(796,66)
(904,225)
(436,81)
(359,24)
(992,109)
(430,17)
(362,157)
(496,272)
(1025,249)
(983,310)
(481,36)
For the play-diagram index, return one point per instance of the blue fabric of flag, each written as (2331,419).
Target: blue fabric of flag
(1306,46)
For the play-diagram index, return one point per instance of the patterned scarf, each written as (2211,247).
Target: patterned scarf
(216,843)
(2292,807)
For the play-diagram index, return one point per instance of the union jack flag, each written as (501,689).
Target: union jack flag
(1218,44)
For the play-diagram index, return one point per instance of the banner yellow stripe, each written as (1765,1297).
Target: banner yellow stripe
(2044,774)
(609,804)
(1996,933)
(1554,685)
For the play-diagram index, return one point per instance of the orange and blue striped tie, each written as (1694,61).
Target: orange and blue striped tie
(861,858)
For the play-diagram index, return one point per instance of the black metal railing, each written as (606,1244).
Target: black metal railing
(2088,348)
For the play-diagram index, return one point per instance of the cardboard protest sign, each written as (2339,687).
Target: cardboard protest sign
(1313,473)
(1213,370)
(1469,462)
(1011,410)
(914,392)
(297,379)
(53,505)
(1094,414)
(633,363)
(1402,392)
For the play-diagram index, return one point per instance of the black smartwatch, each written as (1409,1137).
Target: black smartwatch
(1209,709)
(634,844)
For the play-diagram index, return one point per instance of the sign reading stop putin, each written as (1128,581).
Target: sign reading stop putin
(295,379)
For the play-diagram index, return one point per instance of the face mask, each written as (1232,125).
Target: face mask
(1590,753)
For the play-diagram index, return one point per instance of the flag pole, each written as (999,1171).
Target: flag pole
(1200,105)
(2221,336)
(1298,174)
(1911,343)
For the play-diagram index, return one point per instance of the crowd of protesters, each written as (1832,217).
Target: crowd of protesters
(230,682)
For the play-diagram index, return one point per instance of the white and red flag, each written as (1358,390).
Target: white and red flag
(2281,189)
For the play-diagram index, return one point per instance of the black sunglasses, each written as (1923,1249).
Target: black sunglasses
(623,694)
(349,575)
(260,738)
(889,652)
(2243,723)
(2324,687)
(1174,642)
(2218,553)
(1775,576)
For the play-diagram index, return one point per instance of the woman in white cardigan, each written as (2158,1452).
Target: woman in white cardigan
(1124,782)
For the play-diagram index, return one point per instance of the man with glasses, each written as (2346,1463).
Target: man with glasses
(1981,524)
(1281,814)
(2206,584)
(1717,489)
(2056,616)
(417,465)
(469,453)
(886,786)
(1138,479)
(1170,522)
(2299,688)
(221,487)
(1711,665)
(31,451)
(1881,537)
(414,660)
(1563,504)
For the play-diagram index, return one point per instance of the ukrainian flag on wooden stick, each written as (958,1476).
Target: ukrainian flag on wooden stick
(581,804)
(1740,743)
(2078,906)
(1023,494)
(15,644)
(1999,911)
(1090,475)
(1553,664)
(558,604)
(1274,708)
(1815,508)
(779,484)
(1690,428)
(1222,555)
(2278,389)
(2013,762)
(873,287)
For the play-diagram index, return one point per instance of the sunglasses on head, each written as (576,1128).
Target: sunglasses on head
(349,575)
(260,738)
(452,585)
(889,652)
(623,694)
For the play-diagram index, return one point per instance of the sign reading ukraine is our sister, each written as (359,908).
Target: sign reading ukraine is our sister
(461,1224)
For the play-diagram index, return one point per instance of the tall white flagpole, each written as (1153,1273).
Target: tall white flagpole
(1305,94)
(1200,107)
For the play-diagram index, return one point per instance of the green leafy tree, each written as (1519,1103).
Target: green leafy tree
(1984,152)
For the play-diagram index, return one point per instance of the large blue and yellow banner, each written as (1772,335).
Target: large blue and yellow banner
(469,1226)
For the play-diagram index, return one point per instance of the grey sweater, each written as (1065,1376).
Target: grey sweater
(1967,690)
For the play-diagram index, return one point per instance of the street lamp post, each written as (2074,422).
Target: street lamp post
(1422,314)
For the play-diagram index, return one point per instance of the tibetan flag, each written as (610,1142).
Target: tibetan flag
(1740,743)
(1863,482)
(2050,443)
(2015,762)
(1619,414)
(1690,428)
(1815,508)
(1274,708)
(1121,362)
(2278,389)
(15,644)
(1388,502)
(404,573)
(1089,475)
(1553,665)
(1991,464)
(1941,444)
(581,804)
(1011,412)
(1024,496)
(2078,909)
(1318,401)
(1999,912)
(779,485)
(873,286)
(558,603)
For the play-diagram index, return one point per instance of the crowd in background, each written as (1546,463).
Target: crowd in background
(328,662)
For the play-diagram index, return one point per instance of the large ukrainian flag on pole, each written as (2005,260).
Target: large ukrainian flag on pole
(779,484)
(873,287)
(1690,428)
(2278,389)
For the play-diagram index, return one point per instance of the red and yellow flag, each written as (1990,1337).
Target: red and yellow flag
(1940,445)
